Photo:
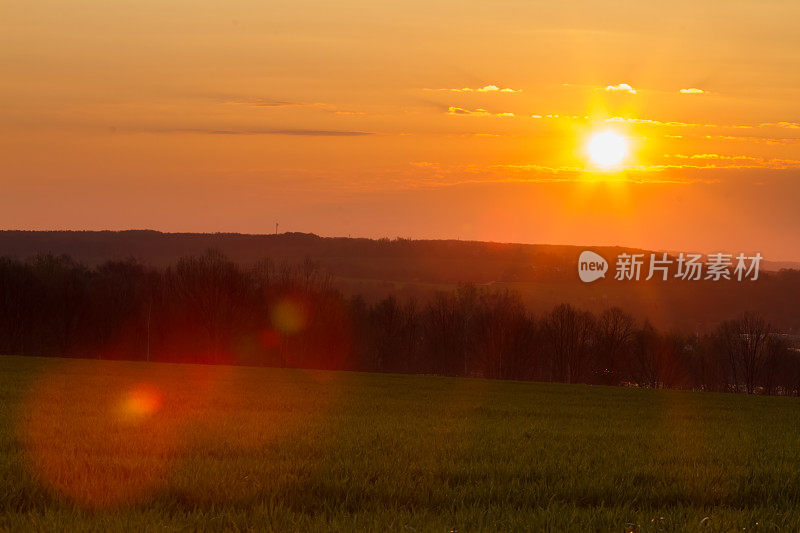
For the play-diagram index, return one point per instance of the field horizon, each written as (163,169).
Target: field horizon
(90,445)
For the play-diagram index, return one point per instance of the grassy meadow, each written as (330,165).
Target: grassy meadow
(98,445)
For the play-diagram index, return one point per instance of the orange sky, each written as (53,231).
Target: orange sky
(354,118)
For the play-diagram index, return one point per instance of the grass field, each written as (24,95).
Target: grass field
(96,445)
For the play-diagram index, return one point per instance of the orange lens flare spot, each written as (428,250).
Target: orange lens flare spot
(142,401)
(98,439)
(288,316)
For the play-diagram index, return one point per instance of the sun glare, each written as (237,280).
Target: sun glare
(607,149)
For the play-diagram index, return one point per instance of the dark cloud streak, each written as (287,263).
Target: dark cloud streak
(299,132)
(311,133)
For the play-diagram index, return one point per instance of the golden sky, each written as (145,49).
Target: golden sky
(438,119)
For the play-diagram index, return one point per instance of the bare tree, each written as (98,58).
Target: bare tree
(744,341)
(778,366)
(212,292)
(569,332)
(614,335)
(645,356)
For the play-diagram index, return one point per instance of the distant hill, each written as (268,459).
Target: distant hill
(775,266)
(544,274)
(436,261)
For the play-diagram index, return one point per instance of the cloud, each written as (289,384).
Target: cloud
(716,156)
(622,87)
(264,102)
(754,139)
(495,88)
(438,174)
(787,125)
(259,102)
(733,162)
(675,124)
(311,133)
(475,112)
(565,117)
(278,104)
(685,172)
(692,90)
(783,125)
(461,111)
(484,89)
(653,122)
(719,127)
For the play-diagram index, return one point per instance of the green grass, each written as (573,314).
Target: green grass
(226,448)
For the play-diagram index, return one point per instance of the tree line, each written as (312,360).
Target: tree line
(209,309)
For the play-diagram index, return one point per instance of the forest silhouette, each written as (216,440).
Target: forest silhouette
(209,309)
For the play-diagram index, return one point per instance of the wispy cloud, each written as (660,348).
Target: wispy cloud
(705,169)
(266,102)
(783,125)
(681,124)
(692,90)
(656,122)
(787,125)
(476,112)
(622,87)
(312,133)
(695,125)
(438,174)
(278,104)
(275,103)
(484,89)
(715,156)
(570,117)
(704,161)
(461,111)
(306,132)
(784,141)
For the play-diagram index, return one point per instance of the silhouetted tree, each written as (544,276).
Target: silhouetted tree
(568,333)
(613,337)
(744,341)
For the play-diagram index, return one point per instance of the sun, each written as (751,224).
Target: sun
(607,149)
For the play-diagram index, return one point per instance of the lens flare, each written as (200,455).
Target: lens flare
(99,439)
(288,316)
(140,402)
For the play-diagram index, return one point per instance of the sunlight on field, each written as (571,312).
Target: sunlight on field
(313,450)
